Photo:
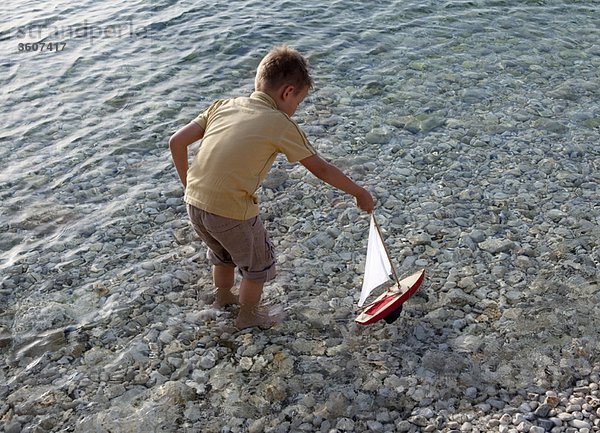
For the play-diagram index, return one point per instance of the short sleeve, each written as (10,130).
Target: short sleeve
(202,119)
(294,144)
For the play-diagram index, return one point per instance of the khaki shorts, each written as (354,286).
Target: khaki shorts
(232,243)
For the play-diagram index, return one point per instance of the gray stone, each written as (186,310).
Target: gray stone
(374,426)
(378,136)
(403,426)
(580,424)
(496,246)
(275,179)
(543,410)
(13,427)
(345,424)
(545,425)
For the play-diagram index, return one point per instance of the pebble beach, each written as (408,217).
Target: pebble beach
(474,124)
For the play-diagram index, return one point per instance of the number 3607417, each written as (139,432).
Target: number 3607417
(42,46)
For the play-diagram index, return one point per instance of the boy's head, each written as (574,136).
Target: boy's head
(283,68)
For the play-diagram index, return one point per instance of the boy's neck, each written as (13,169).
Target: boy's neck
(271,94)
(286,97)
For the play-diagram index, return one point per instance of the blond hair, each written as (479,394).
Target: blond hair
(281,66)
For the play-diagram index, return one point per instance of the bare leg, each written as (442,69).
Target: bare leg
(223,278)
(251,314)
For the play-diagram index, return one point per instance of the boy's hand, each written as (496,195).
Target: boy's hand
(178,144)
(365,201)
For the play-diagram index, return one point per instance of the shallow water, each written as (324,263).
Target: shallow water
(85,171)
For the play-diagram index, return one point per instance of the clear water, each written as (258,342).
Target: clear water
(131,73)
(83,144)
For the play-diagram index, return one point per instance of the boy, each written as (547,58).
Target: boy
(240,139)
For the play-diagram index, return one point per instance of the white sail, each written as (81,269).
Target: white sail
(377,267)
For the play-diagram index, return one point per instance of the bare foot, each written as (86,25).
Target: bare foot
(224,298)
(262,316)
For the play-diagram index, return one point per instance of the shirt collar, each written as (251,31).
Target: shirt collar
(262,96)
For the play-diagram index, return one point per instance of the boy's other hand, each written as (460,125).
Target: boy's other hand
(178,144)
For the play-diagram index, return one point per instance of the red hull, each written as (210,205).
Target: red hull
(390,300)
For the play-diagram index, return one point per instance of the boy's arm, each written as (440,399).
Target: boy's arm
(178,144)
(332,175)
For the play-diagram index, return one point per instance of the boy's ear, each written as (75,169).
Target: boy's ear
(287,91)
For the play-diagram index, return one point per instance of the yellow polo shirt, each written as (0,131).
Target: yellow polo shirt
(242,137)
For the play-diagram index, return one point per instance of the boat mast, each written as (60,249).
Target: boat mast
(386,252)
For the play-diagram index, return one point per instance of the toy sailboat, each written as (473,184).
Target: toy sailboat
(378,272)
